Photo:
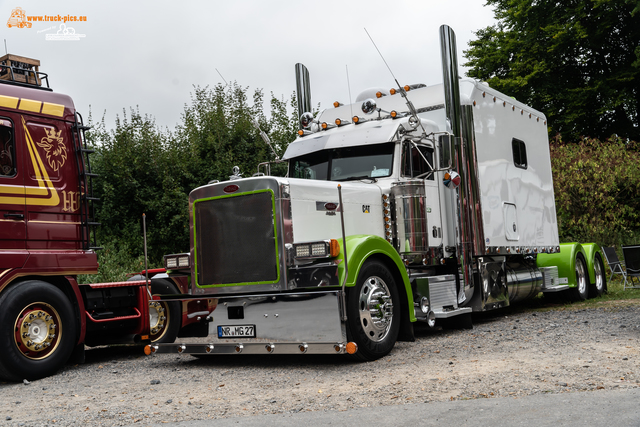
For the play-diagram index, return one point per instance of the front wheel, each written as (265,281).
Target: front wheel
(37,330)
(373,310)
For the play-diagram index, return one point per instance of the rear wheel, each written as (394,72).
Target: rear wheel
(373,309)
(37,330)
(581,291)
(600,279)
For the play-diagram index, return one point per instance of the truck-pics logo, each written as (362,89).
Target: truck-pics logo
(18,19)
(54,147)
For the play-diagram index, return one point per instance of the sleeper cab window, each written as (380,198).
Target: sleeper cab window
(519,153)
(7,150)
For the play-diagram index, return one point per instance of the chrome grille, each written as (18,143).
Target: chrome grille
(235,239)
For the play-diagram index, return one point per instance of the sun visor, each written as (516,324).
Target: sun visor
(366,133)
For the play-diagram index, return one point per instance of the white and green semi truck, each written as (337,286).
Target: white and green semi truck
(431,203)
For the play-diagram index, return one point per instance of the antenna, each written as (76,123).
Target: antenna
(412,109)
(220,74)
(5,47)
(349,89)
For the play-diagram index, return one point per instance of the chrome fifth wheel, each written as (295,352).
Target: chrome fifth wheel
(37,330)
(581,291)
(373,311)
(600,279)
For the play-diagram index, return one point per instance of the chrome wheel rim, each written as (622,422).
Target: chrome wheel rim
(599,276)
(157,319)
(376,309)
(37,330)
(581,277)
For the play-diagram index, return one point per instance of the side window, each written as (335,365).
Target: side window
(417,161)
(519,153)
(7,149)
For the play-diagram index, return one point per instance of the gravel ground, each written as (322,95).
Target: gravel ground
(507,353)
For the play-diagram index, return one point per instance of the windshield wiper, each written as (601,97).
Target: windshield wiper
(357,178)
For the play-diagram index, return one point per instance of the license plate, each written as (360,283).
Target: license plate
(247,331)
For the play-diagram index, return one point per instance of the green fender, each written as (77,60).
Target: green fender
(565,260)
(592,250)
(361,247)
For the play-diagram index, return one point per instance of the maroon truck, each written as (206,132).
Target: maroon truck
(46,222)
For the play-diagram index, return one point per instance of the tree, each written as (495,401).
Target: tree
(577,61)
(143,169)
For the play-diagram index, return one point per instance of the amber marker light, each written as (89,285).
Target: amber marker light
(407,88)
(300,132)
(324,125)
(334,248)
(338,122)
(356,119)
(393,114)
(147,350)
(352,347)
(336,104)
(392,91)
(378,94)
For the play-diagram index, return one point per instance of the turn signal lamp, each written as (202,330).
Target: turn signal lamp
(334,248)
(352,347)
(147,350)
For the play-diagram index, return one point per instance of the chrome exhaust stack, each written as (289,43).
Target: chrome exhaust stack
(303,90)
(461,124)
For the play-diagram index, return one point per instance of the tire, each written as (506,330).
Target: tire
(164,330)
(599,287)
(36,308)
(373,311)
(581,291)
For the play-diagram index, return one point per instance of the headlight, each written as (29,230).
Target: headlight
(171,262)
(322,249)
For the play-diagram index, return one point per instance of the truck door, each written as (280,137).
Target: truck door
(417,162)
(13,230)
(51,182)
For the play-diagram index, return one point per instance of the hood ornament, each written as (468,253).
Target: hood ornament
(236,173)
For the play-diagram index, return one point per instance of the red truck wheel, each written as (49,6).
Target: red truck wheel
(164,316)
(37,330)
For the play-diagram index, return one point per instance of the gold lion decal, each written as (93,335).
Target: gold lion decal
(53,145)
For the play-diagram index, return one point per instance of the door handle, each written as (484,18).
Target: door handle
(14,215)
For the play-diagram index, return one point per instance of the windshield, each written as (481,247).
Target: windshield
(348,163)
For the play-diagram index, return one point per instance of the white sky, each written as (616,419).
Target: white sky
(150,53)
